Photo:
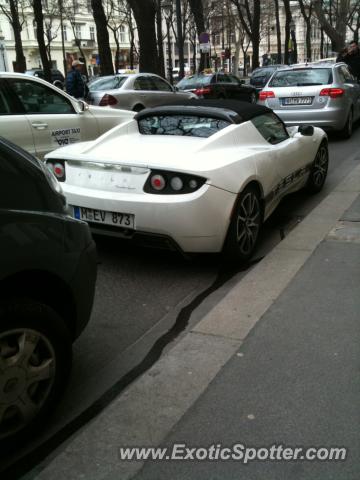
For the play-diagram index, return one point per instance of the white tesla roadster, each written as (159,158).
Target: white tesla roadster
(199,177)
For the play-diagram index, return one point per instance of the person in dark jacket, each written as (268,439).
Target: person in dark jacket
(353,59)
(75,84)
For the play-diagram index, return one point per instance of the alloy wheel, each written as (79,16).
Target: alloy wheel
(248,222)
(27,373)
(320,167)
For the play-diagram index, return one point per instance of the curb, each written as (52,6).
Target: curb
(150,407)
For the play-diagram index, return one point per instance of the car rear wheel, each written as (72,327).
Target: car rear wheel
(245,226)
(319,169)
(138,108)
(346,132)
(35,361)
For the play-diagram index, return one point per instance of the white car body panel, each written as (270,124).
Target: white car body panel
(109,174)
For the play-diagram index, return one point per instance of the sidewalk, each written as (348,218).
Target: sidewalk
(275,362)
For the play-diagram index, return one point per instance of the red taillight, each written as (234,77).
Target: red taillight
(158,182)
(263,95)
(107,100)
(59,170)
(202,91)
(332,92)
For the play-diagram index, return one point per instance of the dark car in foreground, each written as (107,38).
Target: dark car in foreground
(261,75)
(47,281)
(218,85)
(57,78)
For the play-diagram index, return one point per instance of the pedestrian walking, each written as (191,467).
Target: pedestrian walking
(75,84)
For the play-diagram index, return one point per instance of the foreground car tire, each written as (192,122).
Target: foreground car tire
(35,362)
(319,169)
(244,227)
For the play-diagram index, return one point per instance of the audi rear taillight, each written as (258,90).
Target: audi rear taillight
(107,100)
(264,94)
(202,91)
(332,92)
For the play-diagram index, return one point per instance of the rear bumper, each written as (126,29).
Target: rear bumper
(196,222)
(327,118)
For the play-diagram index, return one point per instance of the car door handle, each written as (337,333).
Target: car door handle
(40,126)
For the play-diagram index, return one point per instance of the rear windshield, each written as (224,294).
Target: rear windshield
(195,81)
(263,73)
(107,83)
(182,125)
(301,77)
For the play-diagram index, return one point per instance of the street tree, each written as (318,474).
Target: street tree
(71,9)
(249,12)
(145,13)
(197,9)
(40,36)
(333,17)
(14,11)
(278,31)
(102,33)
(306,12)
(116,22)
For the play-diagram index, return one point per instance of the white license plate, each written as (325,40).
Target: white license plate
(126,220)
(298,101)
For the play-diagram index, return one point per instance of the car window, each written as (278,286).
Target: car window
(107,83)
(301,77)
(271,128)
(37,98)
(143,83)
(182,125)
(233,79)
(4,105)
(161,85)
(194,81)
(345,74)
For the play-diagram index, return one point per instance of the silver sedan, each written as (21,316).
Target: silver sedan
(133,91)
(325,95)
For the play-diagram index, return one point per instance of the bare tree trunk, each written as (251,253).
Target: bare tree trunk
(117,52)
(144,13)
(287,31)
(105,56)
(160,38)
(278,31)
(337,33)
(16,26)
(197,10)
(39,19)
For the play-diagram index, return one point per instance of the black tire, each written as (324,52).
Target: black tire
(35,356)
(347,131)
(244,227)
(138,108)
(319,169)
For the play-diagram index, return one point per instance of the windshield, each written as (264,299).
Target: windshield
(194,81)
(107,83)
(183,125)
(301,77)
(263,72)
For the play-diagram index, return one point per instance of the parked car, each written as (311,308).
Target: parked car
(57,78)
(260,76)
(218,85)
(38,117)
(47,281)
(325,95)
(134,91)
(199,176)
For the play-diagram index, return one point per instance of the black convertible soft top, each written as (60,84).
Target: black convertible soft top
(232,110)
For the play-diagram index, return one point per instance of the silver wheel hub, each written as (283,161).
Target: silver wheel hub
(248,223)
(27,371)
(320,166)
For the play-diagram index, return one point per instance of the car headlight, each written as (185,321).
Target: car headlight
(172,183)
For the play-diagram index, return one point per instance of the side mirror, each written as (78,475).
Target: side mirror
(306,130)
(176,89)
(83,106)
(242,82)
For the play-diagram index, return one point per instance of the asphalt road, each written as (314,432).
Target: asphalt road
(141,293)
